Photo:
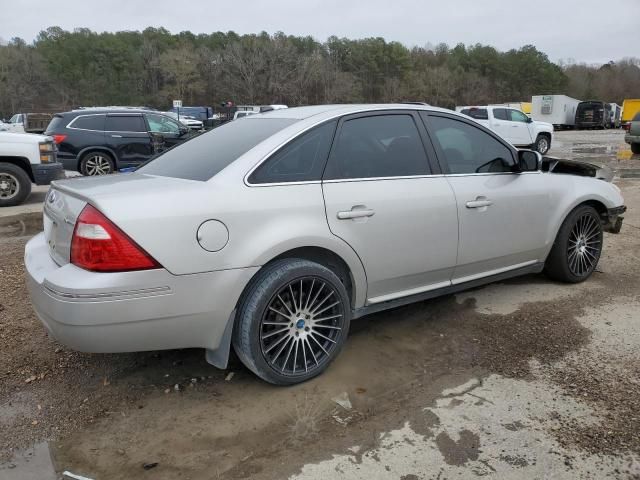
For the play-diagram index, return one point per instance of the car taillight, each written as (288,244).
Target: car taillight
(627,127)
(58,138)
(98,245)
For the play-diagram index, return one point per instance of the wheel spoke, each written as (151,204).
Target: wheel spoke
(327,326)
(316,296)
(278,312)
(320,304)
(285,305)
(293,298)
(323,336)
(295,355)
(275,332)
(327,308)
(284,365)
(332,317)
(311,349)
(313,282)
(319,344)
(304,356)
(276,343)
(284,345)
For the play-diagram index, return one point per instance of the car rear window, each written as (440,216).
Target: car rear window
(205,155)
(56,123)
(477,113)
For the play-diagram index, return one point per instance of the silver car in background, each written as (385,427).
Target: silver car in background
(272,233)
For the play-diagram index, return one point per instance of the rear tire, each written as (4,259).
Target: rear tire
(96,163)
(577,248)
(292,321)
(542,144)
(635,147)
(15,185)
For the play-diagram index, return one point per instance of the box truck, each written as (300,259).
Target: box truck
(616,115)
(630,107)
(559,110)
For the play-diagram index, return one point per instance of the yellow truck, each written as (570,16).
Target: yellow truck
(630,107)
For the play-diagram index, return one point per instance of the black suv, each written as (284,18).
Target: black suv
(101,141)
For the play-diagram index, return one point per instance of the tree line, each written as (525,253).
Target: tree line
(63,69)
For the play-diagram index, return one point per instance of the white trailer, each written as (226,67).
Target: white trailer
(559,110)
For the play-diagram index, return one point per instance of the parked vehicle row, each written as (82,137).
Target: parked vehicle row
(303,220)
(513,125)
(99,142)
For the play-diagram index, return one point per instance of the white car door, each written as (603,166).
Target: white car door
(384,198)
(501,125)
(518,126)
(503,216)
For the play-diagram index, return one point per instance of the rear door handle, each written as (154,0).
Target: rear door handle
(355,213)
(479,203)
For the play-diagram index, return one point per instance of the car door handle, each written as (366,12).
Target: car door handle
(479,203)
(116,136)
(357,213)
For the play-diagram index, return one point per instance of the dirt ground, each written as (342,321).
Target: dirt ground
(522,379)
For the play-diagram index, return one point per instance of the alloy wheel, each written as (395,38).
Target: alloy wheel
(543,146)
(585,242)
(97,165)
(9,186)
(301,326)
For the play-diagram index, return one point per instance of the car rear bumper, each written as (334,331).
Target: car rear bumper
(631,138)
(130,311)
(46,173)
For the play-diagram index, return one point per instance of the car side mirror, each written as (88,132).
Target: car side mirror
(529,161)
(184,130)
(529,120)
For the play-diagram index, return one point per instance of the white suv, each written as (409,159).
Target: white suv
(514,126)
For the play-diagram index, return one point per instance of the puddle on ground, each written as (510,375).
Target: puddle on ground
(34,463)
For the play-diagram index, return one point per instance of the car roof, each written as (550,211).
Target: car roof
(301,113)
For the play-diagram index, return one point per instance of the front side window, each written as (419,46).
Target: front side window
(468,149)
(204,156)
(162,124)
(378,146)
(89,122)
(125,123)
(517,116)
(301,160)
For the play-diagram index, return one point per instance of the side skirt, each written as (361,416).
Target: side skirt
(399,302)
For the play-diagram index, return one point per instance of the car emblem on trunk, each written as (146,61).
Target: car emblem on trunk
(53,196)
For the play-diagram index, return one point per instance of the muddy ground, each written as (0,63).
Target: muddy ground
(522,379)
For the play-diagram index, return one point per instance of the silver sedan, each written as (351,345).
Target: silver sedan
(272,233)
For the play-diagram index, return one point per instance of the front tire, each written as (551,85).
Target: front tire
(15,185)
(577,248)
(96,163)
(292,322)
(542,144)
(635,148)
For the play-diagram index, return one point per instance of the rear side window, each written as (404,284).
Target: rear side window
(468,149)
(379,146)
(477,113)
(125,123)
(500,113)
(89,122)
(204,156)
(301,160)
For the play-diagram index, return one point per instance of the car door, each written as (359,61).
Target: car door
(502,215)
(394,208)
(501,124)
(126,134)
(167,132)
(518,126)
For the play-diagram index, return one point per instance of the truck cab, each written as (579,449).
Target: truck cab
(513,125)
(26,159)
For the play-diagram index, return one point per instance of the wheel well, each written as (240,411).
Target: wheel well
(326,258)
(600,208)
(21,162)
(545,134)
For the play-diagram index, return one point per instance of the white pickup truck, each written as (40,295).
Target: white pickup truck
(513,125)
(25,159)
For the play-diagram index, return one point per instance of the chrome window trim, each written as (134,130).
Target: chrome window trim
(69,125)
(333,117)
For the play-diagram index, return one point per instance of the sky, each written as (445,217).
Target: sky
(591,31)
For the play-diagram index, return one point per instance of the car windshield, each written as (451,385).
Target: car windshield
(204,156)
